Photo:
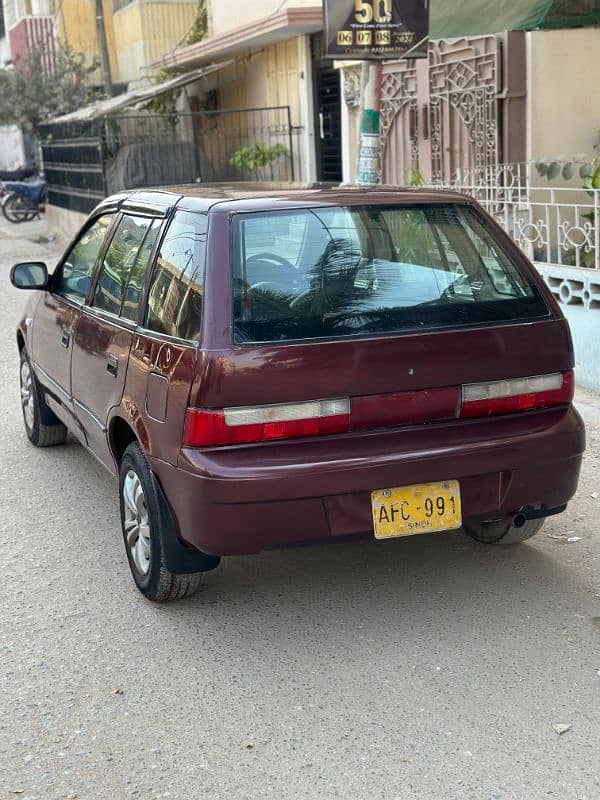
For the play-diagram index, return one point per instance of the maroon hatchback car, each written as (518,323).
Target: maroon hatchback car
(268,369)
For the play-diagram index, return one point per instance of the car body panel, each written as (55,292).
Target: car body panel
(99,368)
(173,362)
(52,342)
(274,374)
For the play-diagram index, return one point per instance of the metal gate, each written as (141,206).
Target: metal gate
(86,160)
(443,113)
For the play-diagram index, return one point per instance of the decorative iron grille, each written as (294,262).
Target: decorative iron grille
(557,227)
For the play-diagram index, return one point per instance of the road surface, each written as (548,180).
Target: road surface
(432,668)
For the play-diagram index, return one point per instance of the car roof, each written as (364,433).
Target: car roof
(238,197)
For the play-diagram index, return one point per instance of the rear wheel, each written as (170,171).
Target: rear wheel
(144,517)
(504,532)
(42,426)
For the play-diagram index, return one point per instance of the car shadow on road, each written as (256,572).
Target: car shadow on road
(435,580)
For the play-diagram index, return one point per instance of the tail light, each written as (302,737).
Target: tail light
(250,424)
(209,427)
(519,394)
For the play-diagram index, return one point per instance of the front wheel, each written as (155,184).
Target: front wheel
(504,532)
(18,209)
(146,521)
(42,426)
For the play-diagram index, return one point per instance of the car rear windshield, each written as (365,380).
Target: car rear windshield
(335,272)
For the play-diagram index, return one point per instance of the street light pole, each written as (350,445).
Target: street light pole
(368,171)
(103,47)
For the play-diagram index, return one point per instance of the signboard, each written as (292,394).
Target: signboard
(376,29)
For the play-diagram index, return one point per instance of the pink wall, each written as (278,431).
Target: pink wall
(33,32)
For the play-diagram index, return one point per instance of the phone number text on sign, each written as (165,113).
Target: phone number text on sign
(376,28)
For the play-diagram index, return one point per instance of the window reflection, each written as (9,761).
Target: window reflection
(367,270)
(175,299)
(118,263)
(76,274)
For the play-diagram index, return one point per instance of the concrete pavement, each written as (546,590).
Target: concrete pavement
(432,668)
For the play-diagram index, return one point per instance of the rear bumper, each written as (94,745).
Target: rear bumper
(239,500)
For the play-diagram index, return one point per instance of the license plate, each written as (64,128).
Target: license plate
(423,508)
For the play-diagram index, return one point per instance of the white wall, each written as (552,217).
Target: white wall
(563,92)
(224,16)
(4,51)
(12,152)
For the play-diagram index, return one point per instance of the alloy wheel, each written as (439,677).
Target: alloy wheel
(27,395)
(135,522)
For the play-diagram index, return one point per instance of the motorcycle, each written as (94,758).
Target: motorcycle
(23,201)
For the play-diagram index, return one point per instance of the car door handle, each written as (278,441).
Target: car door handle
(112,365)
(65,337)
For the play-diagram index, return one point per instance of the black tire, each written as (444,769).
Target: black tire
(18,209)
(157,582)
(504,532)
(42,426)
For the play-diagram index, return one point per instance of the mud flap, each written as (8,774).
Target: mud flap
(179,558)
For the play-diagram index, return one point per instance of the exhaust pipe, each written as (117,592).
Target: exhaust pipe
(519,520)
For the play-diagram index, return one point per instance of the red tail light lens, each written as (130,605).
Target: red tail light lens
(209,427)
(520,394)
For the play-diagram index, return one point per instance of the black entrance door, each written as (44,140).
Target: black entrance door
(328,122)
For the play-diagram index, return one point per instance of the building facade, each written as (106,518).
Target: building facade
(276,62)
(138,32)
(4,43)
(476,102)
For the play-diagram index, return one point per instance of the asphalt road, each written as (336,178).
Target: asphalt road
(428,668)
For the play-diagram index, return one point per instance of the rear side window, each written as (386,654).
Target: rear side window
(371,270)
(135,281)
(127,253)
(175,297)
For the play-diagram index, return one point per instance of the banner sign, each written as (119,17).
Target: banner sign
(376,29)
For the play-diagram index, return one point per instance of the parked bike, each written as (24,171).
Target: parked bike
(23,201)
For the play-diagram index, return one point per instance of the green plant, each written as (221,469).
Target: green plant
(30,93)
(567,169)
(200,26)
(415,178)
(589,174)
(166,103)
(257,156)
